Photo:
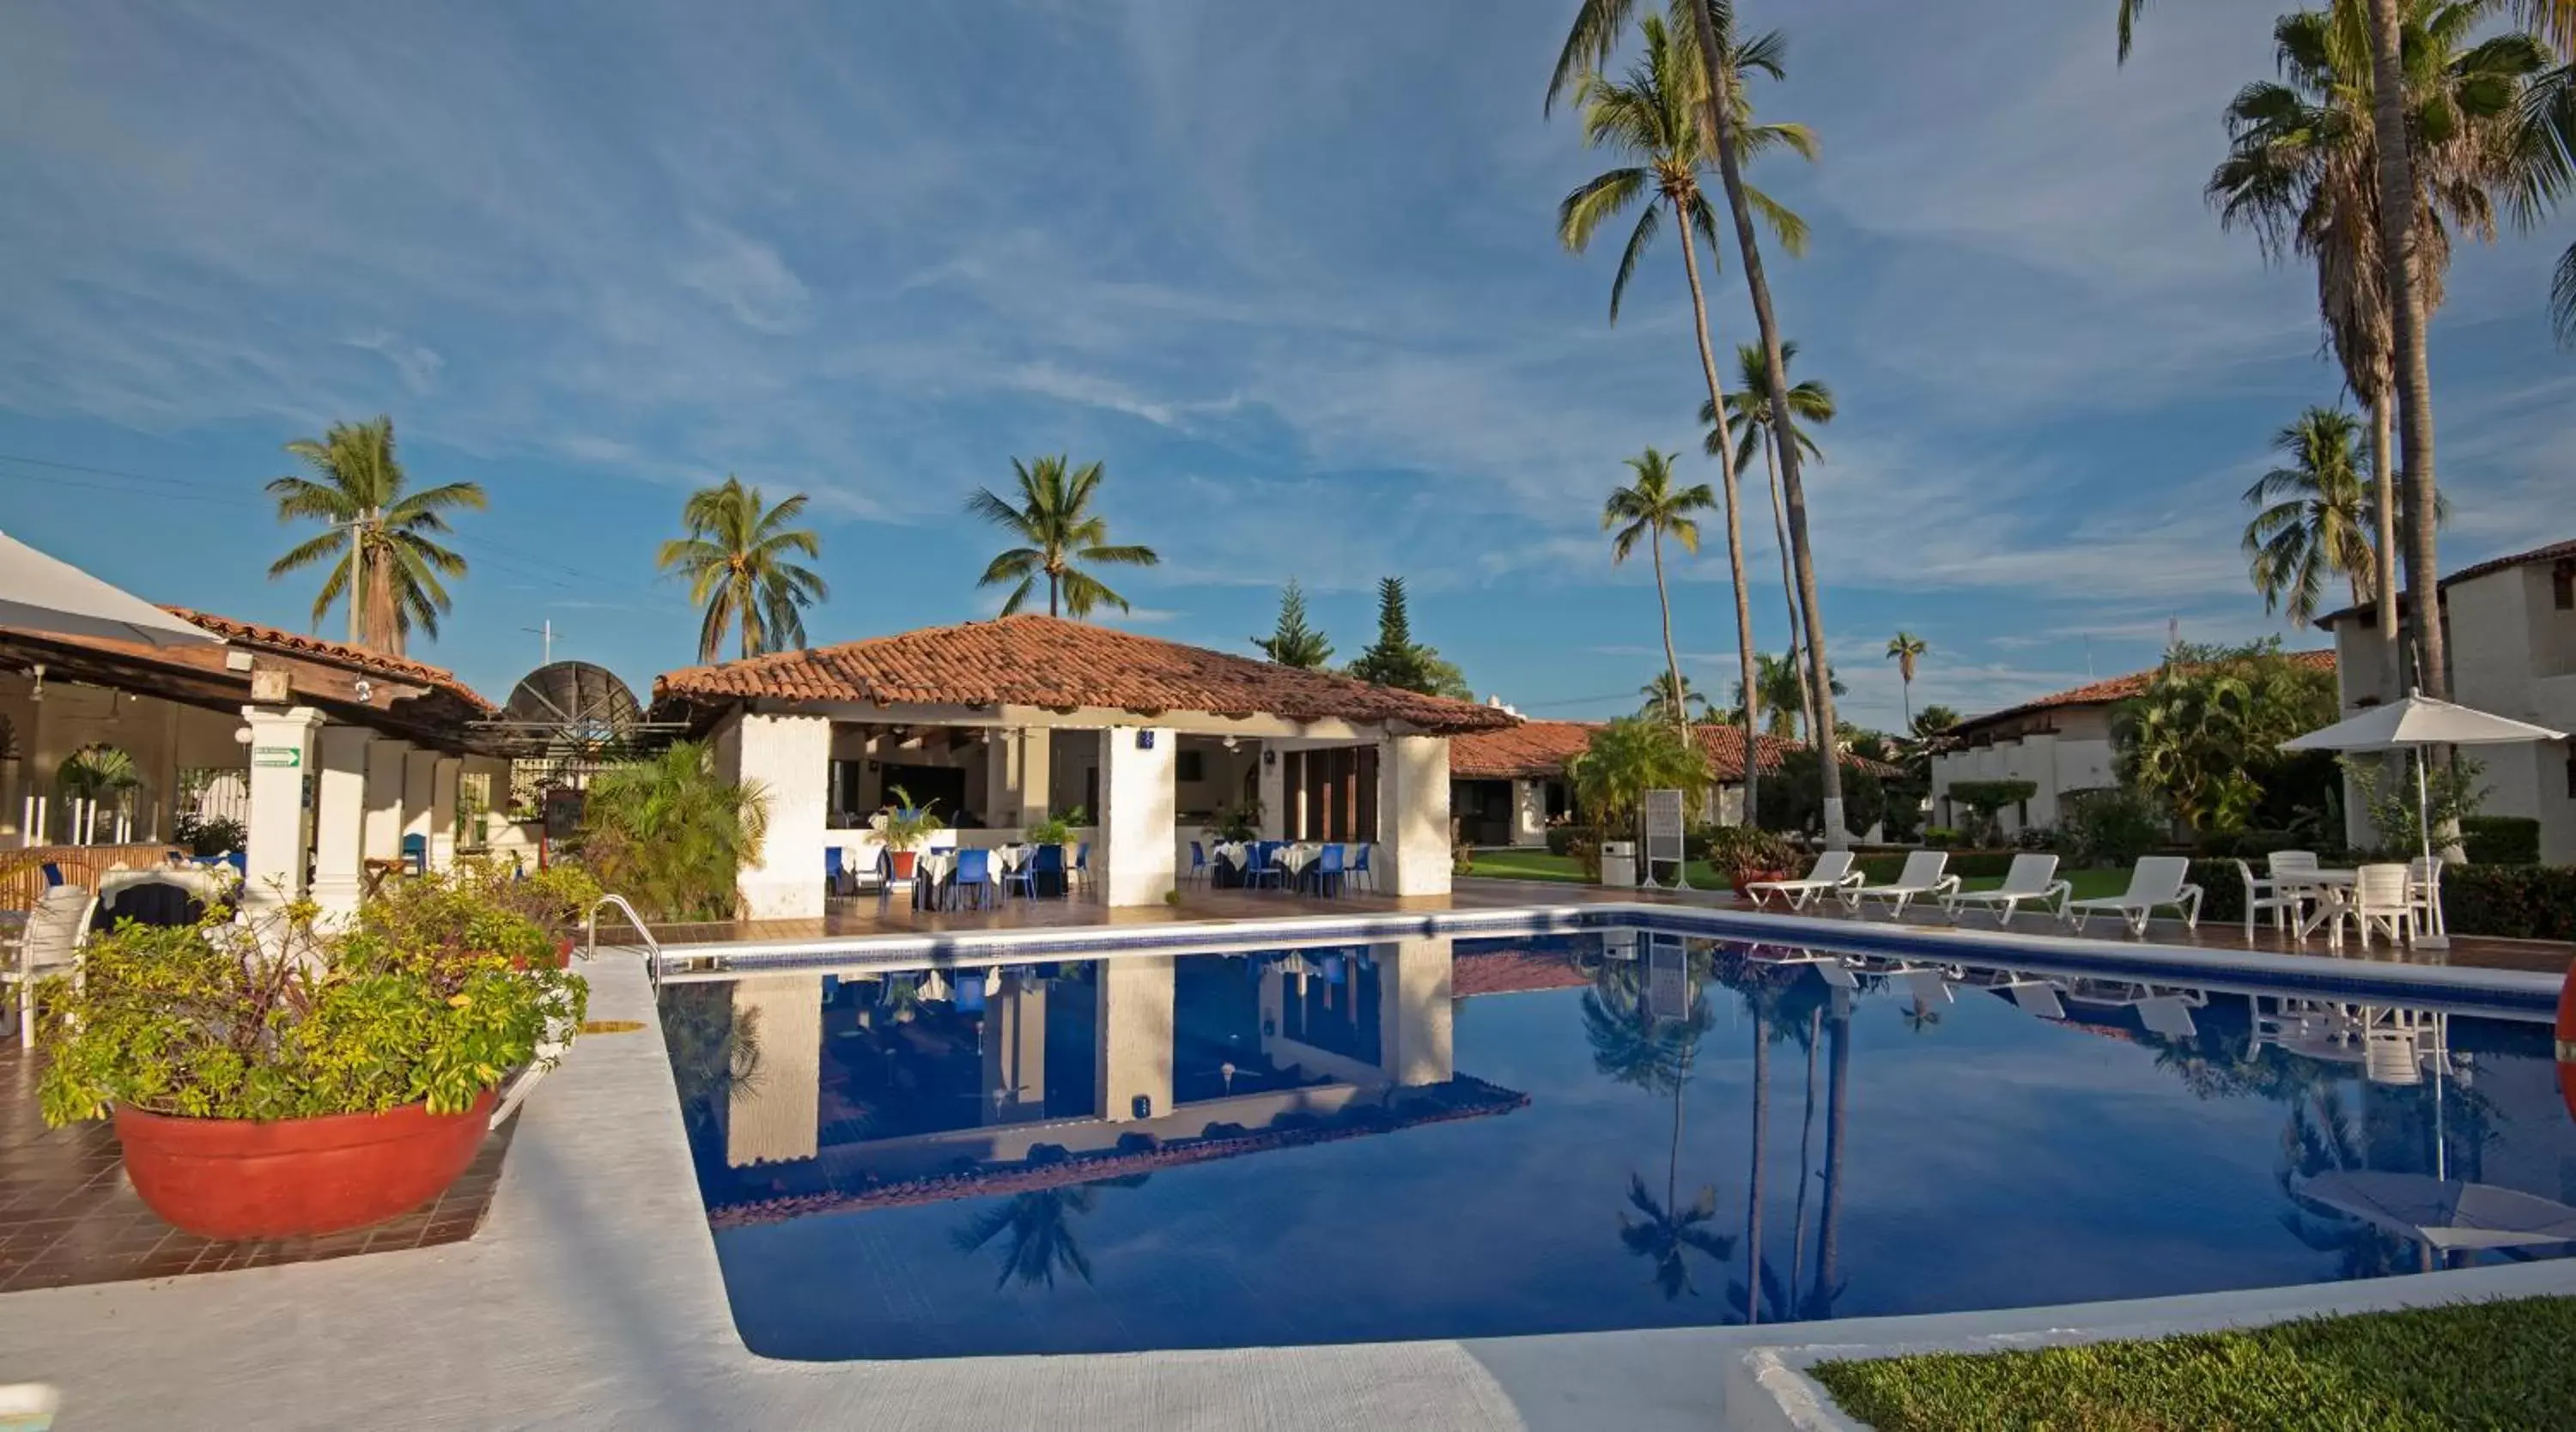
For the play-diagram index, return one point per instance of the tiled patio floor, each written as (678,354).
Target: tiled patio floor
(68,1216)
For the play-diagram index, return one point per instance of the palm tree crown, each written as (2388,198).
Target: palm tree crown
(1811,404)
(1054,519)
(736,559)
(1653,506)
(2313,516)
(1905,649)
(380,538)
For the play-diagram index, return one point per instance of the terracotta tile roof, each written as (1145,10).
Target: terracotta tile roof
(1541,748)
(1043,661)
(354,658)
(2554,552)
(2107,691)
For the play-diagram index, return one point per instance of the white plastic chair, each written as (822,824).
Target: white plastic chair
(2261,894)
(2032,877)
(52,940)
(1925,877)
(2156,883)
(2379,901)
(2424,895)
(1831,872)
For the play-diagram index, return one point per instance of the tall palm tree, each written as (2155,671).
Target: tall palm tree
(1054,518)
(380,538)
(1905,649)
(1651,115)
(2302,171)
(1653,506)
(735,557)
(1659,694)
(1811,404)
(2312,517)
(1779,678)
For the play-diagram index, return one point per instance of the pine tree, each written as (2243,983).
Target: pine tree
(1294,643)
(1396,660)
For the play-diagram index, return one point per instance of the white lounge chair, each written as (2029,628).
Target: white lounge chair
(2032,877)
(1924,877)
(1831,872)
(2157,883)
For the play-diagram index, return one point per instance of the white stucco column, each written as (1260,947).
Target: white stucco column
(1001,805)
(1415,1015)
(281,754)
(791,758)
(496,787)
(340,819)
(420,779)
(1134,1012)
(778,1117)
(1014,1036)
(1413,814)
(1137,811)
(382,831)
(1274,792)
(442,811)
(1036,770)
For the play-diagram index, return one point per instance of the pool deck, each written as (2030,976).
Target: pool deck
(591,1297)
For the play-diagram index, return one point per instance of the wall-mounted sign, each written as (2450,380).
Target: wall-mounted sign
(287,757)
(270,686)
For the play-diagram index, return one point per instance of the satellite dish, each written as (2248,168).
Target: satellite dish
(573,705)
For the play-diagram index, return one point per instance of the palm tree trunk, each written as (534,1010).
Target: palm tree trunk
(1837,1110)
(1905,682)
(357,581)
(1734,524)
(2383,468)
(1788,593)
(1806,1141)
(1721,119)
(1753,1194)
(1051,594)
(384,621)
(2414,372)
(1672,663)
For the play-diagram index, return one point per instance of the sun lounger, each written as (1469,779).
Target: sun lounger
(1923,878)
(2032,877)
(1832,871)
(2156,884)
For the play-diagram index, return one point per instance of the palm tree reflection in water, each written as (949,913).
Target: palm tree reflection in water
(1039,1229)
(1632,1044)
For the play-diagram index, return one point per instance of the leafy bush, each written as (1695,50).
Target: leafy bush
(2514,902)
(1966,864)
(1738,852)
(1561,839)
(1628,758)
(2036,837)
(2398,814)
(1792,798)
(2109,827)
(671,834)
(2205,735)
(1985,798)
(417,1002)
(1942,837)
(2222,898)
(210,834)
(2501,839)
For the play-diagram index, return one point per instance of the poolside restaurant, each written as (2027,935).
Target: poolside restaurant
(335,759)
(1004,722)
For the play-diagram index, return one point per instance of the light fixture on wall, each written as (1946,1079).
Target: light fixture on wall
(1230,743)
(37,691)
(1269,757)
(363,689)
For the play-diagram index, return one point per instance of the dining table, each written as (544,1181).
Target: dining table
(2328,888)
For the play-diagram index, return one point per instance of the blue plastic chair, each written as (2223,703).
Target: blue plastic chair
(1359,869)
(1024,875)
(1081,872)
(975,871)
(831,870)
(1327,872)
(415,853)
(53,875)
(1198,862)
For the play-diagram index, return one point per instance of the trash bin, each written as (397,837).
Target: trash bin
(1619,863)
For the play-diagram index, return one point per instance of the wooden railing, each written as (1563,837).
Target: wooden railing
(22,872)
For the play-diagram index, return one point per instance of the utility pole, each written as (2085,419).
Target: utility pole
(547,633)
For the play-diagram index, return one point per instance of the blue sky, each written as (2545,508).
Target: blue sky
(1289,271)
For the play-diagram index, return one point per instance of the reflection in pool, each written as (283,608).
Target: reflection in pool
(1610,1130)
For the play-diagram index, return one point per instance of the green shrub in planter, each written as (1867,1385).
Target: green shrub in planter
(2514,902)
(1562,839)
(2222,889)
(433,996)
(2501,839)
(1942,837)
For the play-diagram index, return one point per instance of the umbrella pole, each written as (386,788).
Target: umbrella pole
(2424,823)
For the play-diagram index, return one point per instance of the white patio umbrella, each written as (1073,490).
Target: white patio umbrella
(41,593)
(2413,724)
(2445,1213)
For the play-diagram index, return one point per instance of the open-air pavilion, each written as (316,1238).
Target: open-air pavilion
(1008,721)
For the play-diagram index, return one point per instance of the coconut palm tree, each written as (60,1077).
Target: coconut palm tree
(380,539)
(1726,115)
(1651,115)
(1660,698)
(673,833)
(2302,172)
(1652,505)
(735,557)
(2313,516)
(1905,649)
(1054,518)
(1779,678)
(1811,404)
(1628,758)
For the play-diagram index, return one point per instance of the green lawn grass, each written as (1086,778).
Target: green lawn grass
(2489,1365)
(1535,864)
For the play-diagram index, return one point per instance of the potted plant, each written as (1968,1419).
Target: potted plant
(1058,831)
(278,1081)
(1238,822)
(1743,854)
(906,828)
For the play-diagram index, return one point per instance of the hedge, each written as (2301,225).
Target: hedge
(2511,902)
(2501,839)
(1966,864)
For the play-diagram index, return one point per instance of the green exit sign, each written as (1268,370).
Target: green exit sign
(289,757)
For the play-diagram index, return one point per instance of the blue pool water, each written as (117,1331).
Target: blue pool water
(1440,1138)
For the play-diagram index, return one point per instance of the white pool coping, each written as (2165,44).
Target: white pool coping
(592,1297)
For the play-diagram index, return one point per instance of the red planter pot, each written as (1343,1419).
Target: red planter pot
(291,1178)
(904,861)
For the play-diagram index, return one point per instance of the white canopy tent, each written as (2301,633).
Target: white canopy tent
(41,593)
(2412,724)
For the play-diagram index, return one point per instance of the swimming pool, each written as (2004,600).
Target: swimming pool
(1446,1137)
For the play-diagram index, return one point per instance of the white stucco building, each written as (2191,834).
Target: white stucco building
(1006,722)
(2058,743)
(1508,786)
(2509,627)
